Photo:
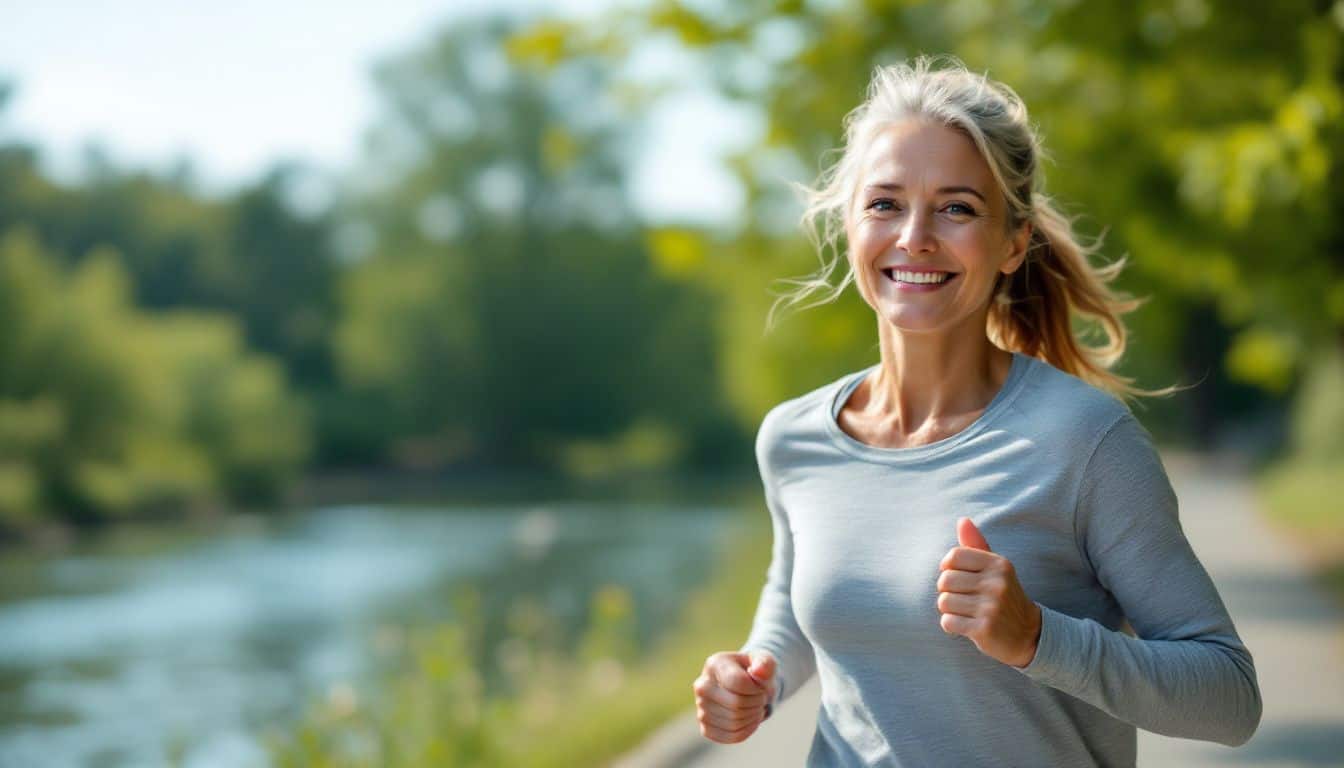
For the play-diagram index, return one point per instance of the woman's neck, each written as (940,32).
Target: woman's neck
(928,383)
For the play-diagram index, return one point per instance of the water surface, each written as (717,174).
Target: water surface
(180,647)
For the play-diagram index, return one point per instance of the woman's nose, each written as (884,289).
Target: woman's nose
(915,234)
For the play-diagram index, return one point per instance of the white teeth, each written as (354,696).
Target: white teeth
(920,277)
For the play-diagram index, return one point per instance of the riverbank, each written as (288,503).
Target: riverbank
(510,486)
(477,486)
(158,640)
(583,706)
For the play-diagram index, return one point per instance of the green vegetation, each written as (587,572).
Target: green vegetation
(480,294)
(1307,496)
(1202,142)
(105,412)
(554,707)
(507,310)
(1304,490)
(1304,498)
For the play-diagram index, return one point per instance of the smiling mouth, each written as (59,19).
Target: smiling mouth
(921,278)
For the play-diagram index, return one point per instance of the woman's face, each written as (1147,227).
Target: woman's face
(927,204)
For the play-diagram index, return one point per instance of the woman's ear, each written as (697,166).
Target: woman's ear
(1020,240)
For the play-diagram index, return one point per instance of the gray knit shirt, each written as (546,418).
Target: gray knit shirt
(1064,482)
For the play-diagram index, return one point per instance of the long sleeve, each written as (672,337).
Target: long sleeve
(1187,673)
(775,628)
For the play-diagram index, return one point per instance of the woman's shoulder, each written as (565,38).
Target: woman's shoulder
(1066,406)
(802,413)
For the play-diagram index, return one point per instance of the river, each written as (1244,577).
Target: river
(178,646)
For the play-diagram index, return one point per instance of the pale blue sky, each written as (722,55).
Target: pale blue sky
(239,85)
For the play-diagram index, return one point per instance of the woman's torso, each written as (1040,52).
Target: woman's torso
(870,526)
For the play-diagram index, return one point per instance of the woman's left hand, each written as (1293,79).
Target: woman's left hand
(980,597)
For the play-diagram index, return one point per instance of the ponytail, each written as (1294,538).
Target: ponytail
(1033,308)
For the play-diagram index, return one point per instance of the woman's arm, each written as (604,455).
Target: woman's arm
(775,629)
(1187,674)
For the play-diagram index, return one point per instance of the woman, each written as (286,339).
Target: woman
(962,529)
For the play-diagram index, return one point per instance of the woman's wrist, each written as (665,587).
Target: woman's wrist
(1035,634)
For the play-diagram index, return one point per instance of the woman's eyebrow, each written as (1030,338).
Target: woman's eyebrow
(942,191)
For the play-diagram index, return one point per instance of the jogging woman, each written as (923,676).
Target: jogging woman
(976,546)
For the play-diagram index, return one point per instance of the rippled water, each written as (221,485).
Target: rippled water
(181,649)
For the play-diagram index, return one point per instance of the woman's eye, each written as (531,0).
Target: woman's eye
(885,205)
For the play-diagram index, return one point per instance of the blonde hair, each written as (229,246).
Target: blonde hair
(1033,308)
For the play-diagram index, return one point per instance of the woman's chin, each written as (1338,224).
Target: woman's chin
(915,322)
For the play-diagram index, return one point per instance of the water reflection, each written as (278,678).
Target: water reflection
(185,653)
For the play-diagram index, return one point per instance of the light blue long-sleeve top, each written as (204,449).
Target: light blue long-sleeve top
(1064,482)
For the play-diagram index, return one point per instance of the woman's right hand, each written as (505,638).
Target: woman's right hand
(731,694)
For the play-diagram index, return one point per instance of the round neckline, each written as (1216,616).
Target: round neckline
(1017,373)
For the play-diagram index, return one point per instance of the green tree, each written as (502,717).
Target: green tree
(106,411)
(509,305)
(1203,141)
(249,255)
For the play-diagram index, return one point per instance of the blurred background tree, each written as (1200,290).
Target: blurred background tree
(1199,142)
(482,294)
(106,411)
(506,310)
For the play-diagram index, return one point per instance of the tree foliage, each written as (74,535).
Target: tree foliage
(483,293)
(106,411)
(1203,141)
(508,306)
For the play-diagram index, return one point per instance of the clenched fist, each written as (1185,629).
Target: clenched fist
(732,694)
(980,597)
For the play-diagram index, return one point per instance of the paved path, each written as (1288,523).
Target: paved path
(1293,630)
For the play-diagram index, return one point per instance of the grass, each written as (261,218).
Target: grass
(584,706)
(597,727)
(1306,500)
